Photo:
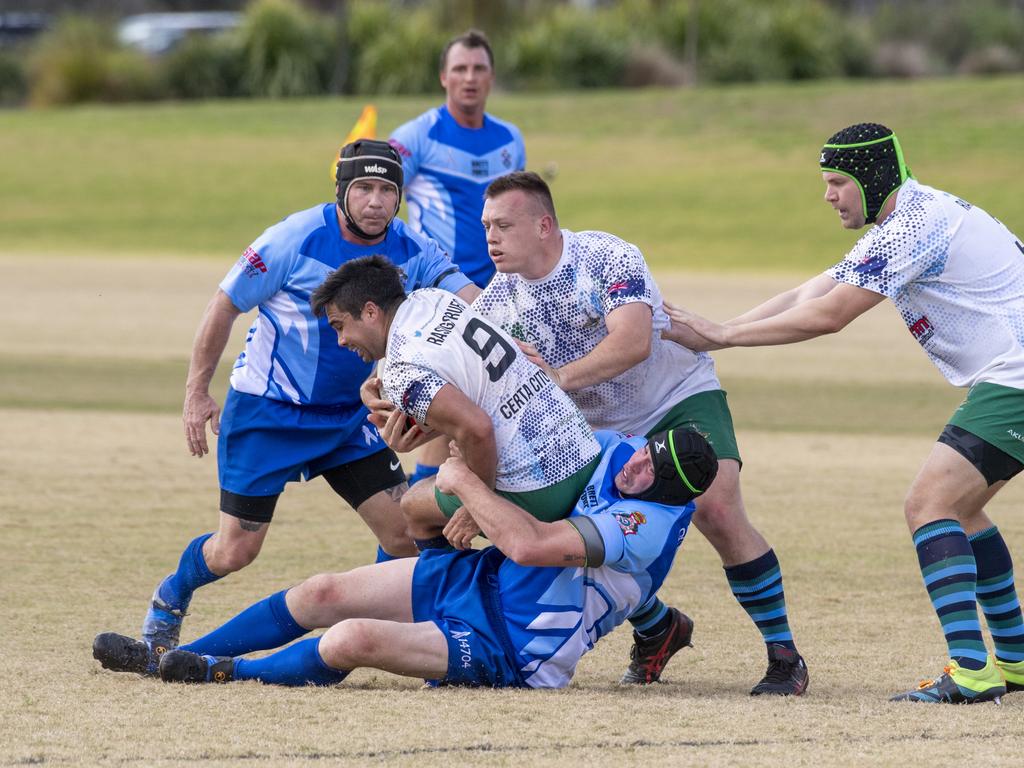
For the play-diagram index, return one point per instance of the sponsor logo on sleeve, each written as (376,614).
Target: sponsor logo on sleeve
(400,148)
(922,329)
(871,265)
(252,263)
(631,522)
(634,286)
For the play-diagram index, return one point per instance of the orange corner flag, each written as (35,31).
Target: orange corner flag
(365,128)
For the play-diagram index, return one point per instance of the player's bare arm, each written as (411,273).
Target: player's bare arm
(468,292)
(400,435)
(815,317)
(817,286)
(522,538)
(210,341)
(627,344)
(453,414)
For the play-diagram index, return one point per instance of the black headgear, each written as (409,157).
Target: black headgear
(367,159)
(684,466)
(871,155)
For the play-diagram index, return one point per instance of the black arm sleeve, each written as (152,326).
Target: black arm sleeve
(593,544)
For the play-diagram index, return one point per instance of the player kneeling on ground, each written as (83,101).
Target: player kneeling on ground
(519,613)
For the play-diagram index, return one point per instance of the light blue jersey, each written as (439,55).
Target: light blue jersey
(545,618)
(290,355)
(447,168)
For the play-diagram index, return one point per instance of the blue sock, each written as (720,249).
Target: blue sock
(422,472)
(298,664)
(950,576)
(997,593)
(648,619)
(383,557)
(263,625)
(176,590)
(757,586)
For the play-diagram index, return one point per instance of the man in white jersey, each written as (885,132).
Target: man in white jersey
(449,155)
(520,613)
(590,314)
(957,276)
(452,372)
(293,409)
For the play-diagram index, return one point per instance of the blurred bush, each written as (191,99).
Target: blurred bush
(13,80)
(395,53)
(286,50)
(78,61)
(205,68)
(567,48)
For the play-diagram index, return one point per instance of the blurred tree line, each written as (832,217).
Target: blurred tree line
(289,48)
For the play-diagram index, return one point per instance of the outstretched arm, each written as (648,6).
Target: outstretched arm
(823,314)
(522,538)
(211,338)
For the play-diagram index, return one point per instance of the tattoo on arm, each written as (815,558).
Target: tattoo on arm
(250,525)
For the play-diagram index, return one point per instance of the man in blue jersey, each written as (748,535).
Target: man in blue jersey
(293,409)
(520,613)
(450,154)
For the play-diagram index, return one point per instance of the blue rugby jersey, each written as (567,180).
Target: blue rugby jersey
(555,615)
(290,354)
(447,168)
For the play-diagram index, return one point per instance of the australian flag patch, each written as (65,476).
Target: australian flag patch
(633,286)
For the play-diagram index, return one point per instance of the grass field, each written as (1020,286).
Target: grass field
(116,226)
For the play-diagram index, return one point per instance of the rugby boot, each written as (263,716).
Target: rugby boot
(1013,673)
(957,685)
(124,654)
(162,626)
(177,666)
(786,675)
(649,655)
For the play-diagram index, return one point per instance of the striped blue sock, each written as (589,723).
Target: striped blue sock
(648,619)
(757,586)
(263,625)
(950,576)
(997,593)
(298,664)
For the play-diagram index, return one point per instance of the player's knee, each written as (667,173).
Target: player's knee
(321,591)
(351,643)
(233,555)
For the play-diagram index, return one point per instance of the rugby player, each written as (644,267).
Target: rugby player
(589,313)
(519,613)
(293,409)
(450,154)
(956,275)
(456,374)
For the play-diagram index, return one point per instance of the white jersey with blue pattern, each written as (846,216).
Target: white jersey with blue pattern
(555,615)
(291,355)
(956,275)
(564,314)
(447,168)
(437,339)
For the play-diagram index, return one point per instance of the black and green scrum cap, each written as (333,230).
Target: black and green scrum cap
(685,465)
(871,155)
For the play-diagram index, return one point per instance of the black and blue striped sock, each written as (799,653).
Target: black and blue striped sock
(997,593)
(950,576)
(757,586)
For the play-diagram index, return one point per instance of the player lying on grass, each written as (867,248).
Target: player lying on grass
(957,276)
(519,613)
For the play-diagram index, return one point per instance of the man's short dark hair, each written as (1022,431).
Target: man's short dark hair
(350,286)
(472,38)
(527,182)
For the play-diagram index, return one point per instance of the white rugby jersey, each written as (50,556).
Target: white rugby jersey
(437,339)
(957,277)
(563,315)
